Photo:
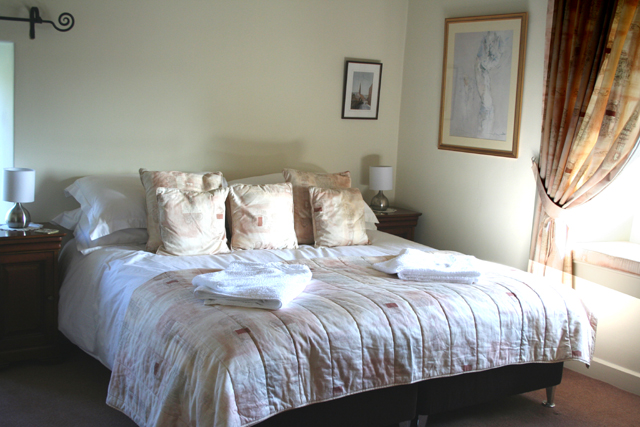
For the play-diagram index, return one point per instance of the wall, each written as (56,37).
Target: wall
(616,358)
(476,204)
(242,86)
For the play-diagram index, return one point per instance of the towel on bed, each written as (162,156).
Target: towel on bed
(252,284)
(416,265)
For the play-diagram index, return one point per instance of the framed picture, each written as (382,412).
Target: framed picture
(361,97)
(482,77)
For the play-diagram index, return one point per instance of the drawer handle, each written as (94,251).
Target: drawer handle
(50,298)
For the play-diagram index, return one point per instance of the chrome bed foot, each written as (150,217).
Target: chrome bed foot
(551,392)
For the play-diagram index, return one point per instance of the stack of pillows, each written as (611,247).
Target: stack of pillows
(180,213)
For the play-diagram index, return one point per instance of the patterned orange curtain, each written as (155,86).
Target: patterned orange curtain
(591,117)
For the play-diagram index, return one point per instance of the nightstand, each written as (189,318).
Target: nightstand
(29,295)
(401,222)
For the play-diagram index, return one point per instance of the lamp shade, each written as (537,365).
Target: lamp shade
(19,185)
(380,178)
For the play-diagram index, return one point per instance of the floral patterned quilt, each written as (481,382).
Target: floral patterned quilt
(353,329)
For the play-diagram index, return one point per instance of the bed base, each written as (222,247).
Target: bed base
(410,405)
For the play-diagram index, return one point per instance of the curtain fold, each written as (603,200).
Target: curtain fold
(591,114)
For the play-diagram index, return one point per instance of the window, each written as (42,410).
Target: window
(6,115)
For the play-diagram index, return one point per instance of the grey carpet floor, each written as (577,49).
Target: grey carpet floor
(73,393)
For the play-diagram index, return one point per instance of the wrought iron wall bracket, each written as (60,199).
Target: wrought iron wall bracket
(65,20)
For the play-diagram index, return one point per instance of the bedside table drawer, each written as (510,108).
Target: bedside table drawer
(28,301)
(400,222)
(28,295)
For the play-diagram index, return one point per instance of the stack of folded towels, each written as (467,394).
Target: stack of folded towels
(416,265)
(252,284)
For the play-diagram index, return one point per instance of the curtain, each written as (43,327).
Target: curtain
(590,129)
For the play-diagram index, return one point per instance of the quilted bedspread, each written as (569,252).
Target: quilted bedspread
(353,329)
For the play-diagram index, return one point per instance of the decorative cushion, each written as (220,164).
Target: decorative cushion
(191,222)
(302,209)
(338,217)
(110,202)
(262,216)
(152,180)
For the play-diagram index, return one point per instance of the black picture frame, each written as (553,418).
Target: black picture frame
(361,95)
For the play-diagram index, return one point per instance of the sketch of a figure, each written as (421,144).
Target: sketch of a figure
(489,55)
(480,93)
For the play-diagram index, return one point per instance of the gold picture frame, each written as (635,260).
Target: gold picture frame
(482,79)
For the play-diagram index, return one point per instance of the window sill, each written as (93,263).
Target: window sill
(615,265)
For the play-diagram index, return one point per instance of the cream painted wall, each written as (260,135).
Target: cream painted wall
(242,86)
(476,204)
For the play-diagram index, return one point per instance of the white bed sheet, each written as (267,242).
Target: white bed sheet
(97,287)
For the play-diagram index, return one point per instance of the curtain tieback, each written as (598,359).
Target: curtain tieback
(551,209)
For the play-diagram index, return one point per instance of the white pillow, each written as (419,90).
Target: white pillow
(68,219)
(110,202)
(370,218)
(128,236)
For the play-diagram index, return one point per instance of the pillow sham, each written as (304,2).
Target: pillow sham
(301,182)
(68,219)
(152,180)
(192,223)
(370,218)
(127,236)
(338,217)
(110,202)
(262,216)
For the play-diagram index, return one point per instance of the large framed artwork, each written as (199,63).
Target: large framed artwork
(482,77)
(361,97)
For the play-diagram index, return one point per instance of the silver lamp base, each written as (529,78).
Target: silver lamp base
(18,217)
(379,202)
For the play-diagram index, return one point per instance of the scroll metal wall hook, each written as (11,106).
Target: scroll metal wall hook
(66,21)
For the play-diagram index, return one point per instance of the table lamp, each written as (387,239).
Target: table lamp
(380,179)
(19,187)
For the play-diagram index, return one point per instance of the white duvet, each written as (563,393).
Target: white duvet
(97,287)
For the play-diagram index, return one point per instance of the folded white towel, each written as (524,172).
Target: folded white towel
(418,276)
(252,284)
(417,265)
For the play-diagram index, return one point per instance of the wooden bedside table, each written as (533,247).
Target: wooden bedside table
(29,295)
(401,223)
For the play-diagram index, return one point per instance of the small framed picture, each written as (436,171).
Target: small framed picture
(361,97)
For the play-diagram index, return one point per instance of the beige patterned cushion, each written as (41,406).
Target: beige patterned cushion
(301,209)
(338,217)
(191,222)
(151,180)
(262,216)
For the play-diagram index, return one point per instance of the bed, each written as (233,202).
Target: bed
(356,347)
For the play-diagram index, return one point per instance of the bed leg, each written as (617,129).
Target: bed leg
(551,392)
(421,421)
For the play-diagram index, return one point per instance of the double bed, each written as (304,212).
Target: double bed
(356,347)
